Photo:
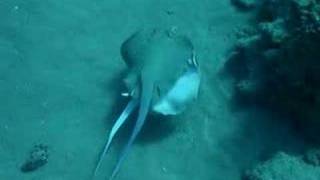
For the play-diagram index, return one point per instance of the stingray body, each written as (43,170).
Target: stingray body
(161,67)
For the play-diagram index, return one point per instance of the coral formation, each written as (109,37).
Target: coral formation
(276,60)
(284,167)
(312,157)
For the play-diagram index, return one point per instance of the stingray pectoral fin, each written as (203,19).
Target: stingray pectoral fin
(146,95)
(122,118)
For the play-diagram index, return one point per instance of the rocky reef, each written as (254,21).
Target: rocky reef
(285,167)
(276,61)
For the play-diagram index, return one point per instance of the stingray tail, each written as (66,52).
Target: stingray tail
(146,95)
(122,118)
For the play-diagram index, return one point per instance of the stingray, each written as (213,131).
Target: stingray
(162,77)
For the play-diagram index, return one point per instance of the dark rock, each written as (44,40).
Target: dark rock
(38,157)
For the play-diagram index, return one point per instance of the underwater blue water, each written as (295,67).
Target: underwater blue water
(61,80)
